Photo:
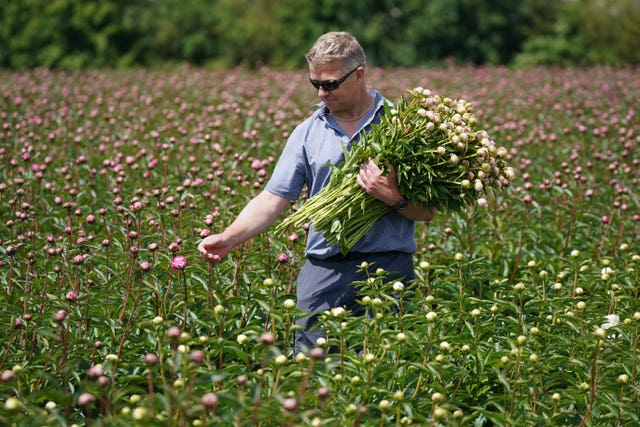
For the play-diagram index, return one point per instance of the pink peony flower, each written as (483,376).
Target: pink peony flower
(179,262)
(283,258)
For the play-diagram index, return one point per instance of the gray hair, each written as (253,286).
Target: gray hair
(337,46)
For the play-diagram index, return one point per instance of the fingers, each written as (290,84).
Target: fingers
(204,248)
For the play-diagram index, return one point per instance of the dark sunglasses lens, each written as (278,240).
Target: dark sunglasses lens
(329,86)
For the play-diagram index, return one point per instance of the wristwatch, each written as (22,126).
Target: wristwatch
(401,205)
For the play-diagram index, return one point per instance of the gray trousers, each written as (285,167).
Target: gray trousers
(323,284)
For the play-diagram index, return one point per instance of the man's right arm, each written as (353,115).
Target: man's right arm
(256,217)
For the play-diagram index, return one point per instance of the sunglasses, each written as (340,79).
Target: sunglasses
(330,85)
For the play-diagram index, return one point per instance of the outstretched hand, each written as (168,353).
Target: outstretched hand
(214,248)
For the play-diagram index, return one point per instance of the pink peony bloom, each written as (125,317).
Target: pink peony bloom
(179,262)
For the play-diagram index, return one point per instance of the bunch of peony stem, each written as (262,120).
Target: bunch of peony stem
(441,159)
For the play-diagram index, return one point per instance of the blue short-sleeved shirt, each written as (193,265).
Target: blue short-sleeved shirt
(314,143)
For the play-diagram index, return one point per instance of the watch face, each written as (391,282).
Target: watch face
(401,205)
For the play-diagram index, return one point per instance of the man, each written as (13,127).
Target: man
(337,66)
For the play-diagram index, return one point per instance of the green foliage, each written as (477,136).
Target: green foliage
(504,325)
(224,33)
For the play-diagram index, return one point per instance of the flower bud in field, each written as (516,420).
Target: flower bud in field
(268,282)
(95,371)
(317,353)
(86,399)
(280,359)
(431,316)
(424,265)
(384,405)
(267,338)
(242,339)
(283,258)
(173,332)
(458,256)
(521,340)
(12,404)
(150,359)
(444,346)
(59,316)
(218,310)
(178,383)
(623,378)
(600,333)
(555,397)
(636,315)
(140,413)
(534,330)
(209,400)
(50,405)
(290,404)
(401,336)
(179,262)
(112,358)
(581,305)
(289,304)
(7,375)
(301,357)
(196,356)
(475,312)
(398,286)
(519,286)
(440,414)
(454,159)
(533,357)
(437,397)
(338,311)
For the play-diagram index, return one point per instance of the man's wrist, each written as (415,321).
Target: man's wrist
(401,205)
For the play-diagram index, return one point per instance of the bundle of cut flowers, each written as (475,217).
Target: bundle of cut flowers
(442,161)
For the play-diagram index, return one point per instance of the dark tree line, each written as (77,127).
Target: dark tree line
(226,33)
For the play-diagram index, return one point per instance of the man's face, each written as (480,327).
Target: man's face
(333,86)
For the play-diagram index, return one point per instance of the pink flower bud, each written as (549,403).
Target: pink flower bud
(150,359)
(196,356)
(179,262)
(290,404)
(267,338)
(209,400)
(86,399)
(60,316)
(173,332)
(95,371)
(316,353)
(283,258)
